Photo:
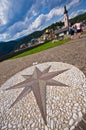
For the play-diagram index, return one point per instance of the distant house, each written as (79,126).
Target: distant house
(62,30)
(34,40)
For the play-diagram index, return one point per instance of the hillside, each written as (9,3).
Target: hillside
(80,17)
(7,47)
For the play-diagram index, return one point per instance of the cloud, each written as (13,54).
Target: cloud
(54,12)
(12,11)
(27,27)
(75,13)
(73,3)
(4,36)
(4,7)
(39,23)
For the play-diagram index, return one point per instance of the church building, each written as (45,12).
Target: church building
(66,20)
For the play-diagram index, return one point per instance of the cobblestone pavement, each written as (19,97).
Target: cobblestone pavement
(72,53)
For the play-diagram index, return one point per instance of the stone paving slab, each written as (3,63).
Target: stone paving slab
(65,105)
(73,53)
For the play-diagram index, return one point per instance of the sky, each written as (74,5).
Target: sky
(22,17)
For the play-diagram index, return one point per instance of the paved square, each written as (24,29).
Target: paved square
(65,106)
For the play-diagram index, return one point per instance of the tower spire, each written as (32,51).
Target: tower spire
(66,22)
(65,10)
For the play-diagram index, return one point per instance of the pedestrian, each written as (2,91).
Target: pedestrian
(71,30)
(78,27)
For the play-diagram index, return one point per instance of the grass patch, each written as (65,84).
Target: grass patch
(84,32)
(41,48)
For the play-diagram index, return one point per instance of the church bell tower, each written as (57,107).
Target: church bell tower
(66,21)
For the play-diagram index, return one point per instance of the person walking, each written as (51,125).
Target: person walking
(71,30)
(78,27)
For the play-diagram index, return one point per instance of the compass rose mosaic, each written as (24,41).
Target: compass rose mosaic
(47,95)
(37,83)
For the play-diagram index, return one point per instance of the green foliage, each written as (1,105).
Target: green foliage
(7,47)
(42,48)
(28,38)
(54,26)
(79,17)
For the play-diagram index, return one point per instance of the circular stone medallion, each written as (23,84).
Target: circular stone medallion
(47,96)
